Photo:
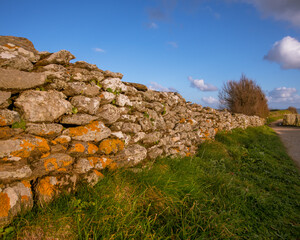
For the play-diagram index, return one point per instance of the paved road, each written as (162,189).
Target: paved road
(290,136)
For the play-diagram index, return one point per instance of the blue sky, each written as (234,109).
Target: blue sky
(192,46)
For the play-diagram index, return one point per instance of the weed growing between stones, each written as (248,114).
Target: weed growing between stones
(20,124)
(243,185)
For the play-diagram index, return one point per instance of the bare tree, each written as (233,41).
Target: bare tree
(244,96)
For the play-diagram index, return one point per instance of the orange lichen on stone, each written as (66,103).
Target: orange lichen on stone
(109,146)
(182,120)
(5,132)
(60,140)
(45,187)
(43,145)
(106,162)
(26,183)
(5,159)
(4,205)
(190,121)
(78,131)
(26,148)
(113,166)
(216,130)
(24,198)
(45,155)
(188,154)
(99,174)
(10,47)
(67,162)
(93,160)
(93,126)
(3,121)
(92,148)
(77,148)
(53,161)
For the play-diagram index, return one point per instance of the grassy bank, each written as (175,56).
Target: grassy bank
(241,186)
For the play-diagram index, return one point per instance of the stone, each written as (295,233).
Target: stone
(7,132)
(14,199)
(78,119)
(46,189)
(128,118)
(109,74)
(23,147)
(290,119)
(83,165)
(80,148)
(111,146)
(44,130)
(114,84)
(83,75)
(131,127)
(86,104)
(130,156)
(62,139)
(138,137)
(154,152)
(8,117)
(15,79)
(107,97)
(94,131)
(4,97)
(108,113)
(54,68)
(93,177)
(85,65)
(11,60)
(13,171)
(61,57)
(18,41)
(42,106)
(152,138)
(80,88)
(137,86)
(122,100)
(55,162)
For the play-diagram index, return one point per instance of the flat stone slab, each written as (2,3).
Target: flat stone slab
(15,79)
(94,131)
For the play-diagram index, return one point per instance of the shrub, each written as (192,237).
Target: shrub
(292,110)
(244,96)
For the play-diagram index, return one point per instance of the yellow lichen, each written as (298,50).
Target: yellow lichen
(60,140)
(45,155)
(45,187)
(26,183)
(92,148)
(4,205)
(99,174)
(77,148)
(182,120)
(3,121)
(53,161)
(109,146)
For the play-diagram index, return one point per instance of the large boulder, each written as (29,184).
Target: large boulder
(41,106)
(18,41)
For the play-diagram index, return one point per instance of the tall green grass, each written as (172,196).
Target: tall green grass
(241,186)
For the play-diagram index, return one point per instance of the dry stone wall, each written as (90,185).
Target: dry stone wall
(291,120)
(62,122)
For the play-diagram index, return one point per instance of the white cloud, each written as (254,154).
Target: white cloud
(152,25)
(98,50)
(210,100)
(287,10)
(284,97)
(200,85)
(173,44)
(157,87)
(286,52)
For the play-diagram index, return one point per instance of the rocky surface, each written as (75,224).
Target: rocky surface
(62,122)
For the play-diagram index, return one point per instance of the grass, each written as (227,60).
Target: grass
(241,186)
(275,115)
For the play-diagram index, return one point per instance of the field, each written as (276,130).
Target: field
(241,186)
